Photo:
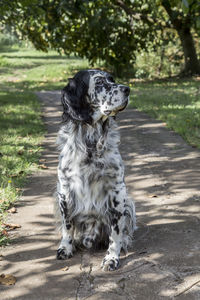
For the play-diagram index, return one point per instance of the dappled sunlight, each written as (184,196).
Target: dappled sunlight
(189,286)
(164,220)
(152,276)
(162,175)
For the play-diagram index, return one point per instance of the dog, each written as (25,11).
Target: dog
(91,193)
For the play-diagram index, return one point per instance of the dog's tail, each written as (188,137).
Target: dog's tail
(91,232)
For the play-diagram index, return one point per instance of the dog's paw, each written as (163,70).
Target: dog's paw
(110,263)
(63,253)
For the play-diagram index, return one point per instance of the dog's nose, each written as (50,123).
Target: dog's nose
(125,90)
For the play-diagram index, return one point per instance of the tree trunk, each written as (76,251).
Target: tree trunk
(183,28)
(192,65)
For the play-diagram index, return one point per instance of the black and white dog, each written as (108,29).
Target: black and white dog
(91,192)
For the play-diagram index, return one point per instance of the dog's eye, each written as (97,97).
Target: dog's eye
(100,80)
(110,78)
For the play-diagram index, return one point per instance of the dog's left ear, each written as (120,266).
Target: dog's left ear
(74,100)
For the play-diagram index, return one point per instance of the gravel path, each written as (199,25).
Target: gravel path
(162,175)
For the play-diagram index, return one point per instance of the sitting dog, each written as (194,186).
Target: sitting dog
(91,192)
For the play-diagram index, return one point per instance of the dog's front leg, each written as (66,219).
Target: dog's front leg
(117,218)
(65,249)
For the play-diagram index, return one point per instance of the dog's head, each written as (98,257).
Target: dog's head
(93,94)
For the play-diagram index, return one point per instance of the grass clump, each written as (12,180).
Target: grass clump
(176,102)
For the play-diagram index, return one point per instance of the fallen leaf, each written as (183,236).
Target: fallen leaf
(12,210)
(7,279)
(65,268)
(42,160)
(12,226)
(4,232)
(43,167)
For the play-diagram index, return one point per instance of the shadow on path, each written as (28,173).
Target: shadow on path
(162,175)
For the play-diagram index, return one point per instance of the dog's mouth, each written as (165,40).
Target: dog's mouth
(107,112)
(116,110)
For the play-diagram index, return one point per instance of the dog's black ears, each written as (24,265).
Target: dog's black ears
(74,99)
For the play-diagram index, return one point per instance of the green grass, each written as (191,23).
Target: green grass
(34,70)
(176,102)
(23,71)
(20,135)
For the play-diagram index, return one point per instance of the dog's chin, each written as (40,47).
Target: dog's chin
(121,107)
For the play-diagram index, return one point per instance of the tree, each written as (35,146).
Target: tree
(184,19)
(110,30)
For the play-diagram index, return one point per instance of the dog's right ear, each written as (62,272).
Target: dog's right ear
(74,101)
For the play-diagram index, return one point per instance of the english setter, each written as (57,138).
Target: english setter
(91,192)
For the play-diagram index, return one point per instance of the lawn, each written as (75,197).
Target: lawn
(176,102)
(23,71)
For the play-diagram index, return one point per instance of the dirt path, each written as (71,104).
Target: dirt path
(162,174)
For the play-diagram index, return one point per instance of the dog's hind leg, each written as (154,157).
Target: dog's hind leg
(65,249)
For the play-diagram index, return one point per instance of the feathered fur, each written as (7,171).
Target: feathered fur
(91,191)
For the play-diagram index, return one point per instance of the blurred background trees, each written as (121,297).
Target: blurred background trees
(115,32)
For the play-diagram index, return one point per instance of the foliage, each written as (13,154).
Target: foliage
(184,17)
(92,29)
(108,30)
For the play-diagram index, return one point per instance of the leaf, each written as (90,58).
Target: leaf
(4,232)
(7,279)
(12,226)
(12,210)
(43,167)
(42,160)
(65,268)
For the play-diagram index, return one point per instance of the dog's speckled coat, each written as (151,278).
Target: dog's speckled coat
(91,191)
